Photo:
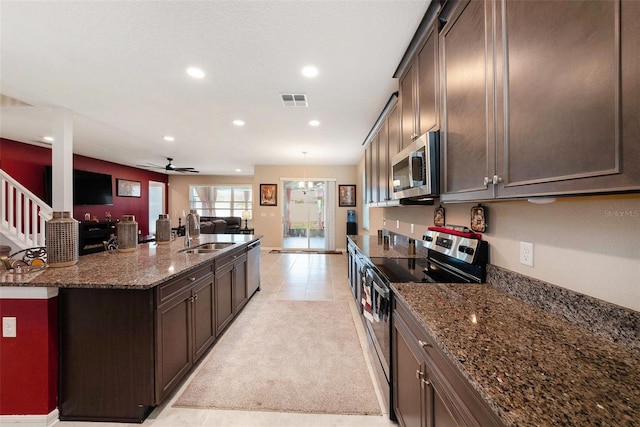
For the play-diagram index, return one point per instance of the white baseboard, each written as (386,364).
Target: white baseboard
(29,420)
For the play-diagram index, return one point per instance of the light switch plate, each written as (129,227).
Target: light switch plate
(398,223)
(526,253)
(411,228)
(9,327)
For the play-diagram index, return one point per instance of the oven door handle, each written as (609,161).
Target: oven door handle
(384,292)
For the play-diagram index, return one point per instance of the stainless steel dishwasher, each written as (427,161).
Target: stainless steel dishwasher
(253,267)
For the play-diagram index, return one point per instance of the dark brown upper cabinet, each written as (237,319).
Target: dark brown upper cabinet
(539,98)
(418,83)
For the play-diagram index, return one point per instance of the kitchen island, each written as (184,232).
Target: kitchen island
(132,325)
(529,366)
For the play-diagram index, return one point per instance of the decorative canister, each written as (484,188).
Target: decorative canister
(194,224)
(127,234)
(61,237)
(163,229)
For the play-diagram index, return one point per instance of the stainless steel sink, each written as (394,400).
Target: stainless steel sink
(216,245)
(207,248)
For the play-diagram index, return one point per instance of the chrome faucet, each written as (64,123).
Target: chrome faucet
(187,225)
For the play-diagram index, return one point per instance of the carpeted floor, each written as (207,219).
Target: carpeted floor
(304,251)
(289,356)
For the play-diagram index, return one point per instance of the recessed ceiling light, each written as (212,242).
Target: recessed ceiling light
(169,138)
(238,170)
(309,71)
(314,123)
(48,138)
(195,72)
(238,122)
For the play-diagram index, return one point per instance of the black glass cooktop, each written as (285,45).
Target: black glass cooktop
(400,270)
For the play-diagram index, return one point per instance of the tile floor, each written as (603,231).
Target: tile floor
(283,277)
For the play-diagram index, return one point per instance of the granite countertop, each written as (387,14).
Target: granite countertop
(371,247)
(533,368)
(147,267)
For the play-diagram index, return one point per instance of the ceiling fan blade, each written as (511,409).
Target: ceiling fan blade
(150,165)
(183,169)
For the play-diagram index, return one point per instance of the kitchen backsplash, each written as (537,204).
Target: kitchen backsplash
(611,321)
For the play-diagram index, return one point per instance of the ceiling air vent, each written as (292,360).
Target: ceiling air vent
(294,100)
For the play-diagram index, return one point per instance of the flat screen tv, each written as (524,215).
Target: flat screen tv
(89,188)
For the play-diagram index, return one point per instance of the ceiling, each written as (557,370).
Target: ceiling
(119,68)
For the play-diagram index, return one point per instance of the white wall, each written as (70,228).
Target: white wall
(590,245)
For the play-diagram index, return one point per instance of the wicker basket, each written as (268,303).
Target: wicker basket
(127,234)
(61,234)
(163,229)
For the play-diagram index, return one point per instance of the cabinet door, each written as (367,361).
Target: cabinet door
(174,342)
(428,83)
(561,84)
(375,169)
(393,143)
(223,297)
(204,324)
(383,163)
(368,172)
(406,101)
(467,134)
(407,373)
(240,296)
(439,411)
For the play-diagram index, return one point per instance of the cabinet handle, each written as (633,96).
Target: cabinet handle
(414,136)
(191,298)
(424,382)
(419,374)
(486,180)
(423,344)
(193,279)
(496,179)
(195,297)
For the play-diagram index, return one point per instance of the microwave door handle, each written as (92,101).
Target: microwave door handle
(417,157)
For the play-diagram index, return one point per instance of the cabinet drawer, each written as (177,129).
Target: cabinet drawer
(229,258)
(170,289)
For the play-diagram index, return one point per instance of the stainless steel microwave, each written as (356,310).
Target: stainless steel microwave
(416,169)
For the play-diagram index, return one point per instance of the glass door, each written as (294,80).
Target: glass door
(304,215)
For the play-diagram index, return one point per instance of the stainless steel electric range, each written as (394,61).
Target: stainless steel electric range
(453,256)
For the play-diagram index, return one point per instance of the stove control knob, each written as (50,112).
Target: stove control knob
(462,248)
(427,238)
(469,251)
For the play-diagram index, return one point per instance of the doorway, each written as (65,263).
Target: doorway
(156,203)
(307,208)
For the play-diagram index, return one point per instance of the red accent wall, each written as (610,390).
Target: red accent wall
(28,362)
(26,162)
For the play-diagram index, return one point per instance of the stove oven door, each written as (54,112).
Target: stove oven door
(376,311)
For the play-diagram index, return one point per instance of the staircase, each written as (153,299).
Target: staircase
(22,215)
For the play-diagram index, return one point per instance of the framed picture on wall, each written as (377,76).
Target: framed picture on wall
(268,195)
(127,188)
(346,195)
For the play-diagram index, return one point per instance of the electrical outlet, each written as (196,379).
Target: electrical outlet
(9,327)
(397,223)
(411,228)
(384,222)
(526,253)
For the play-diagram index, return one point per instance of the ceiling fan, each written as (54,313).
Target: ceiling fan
(170,167)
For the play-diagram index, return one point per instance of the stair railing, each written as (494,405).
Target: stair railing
(22,214)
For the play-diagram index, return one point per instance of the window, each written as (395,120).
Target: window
(220,200)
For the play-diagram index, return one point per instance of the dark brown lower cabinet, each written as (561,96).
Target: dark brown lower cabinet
(123,351)
(185,330)
(428,390)
(230,286)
